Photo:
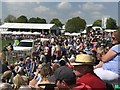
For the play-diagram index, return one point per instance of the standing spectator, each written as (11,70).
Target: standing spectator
(10,47)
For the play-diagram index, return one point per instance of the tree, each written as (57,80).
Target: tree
(32,20)
(111,23)
(75,24)
(57,22)
(10,19)
(43,21)
(22,19)
(97,23)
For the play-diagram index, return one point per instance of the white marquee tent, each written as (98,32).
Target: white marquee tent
(30,26)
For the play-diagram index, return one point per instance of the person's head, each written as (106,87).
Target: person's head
(6,76)
(6,86)
(18,81)
(62,63)
(115,37)
(64,77)
(46,70)
(83,64)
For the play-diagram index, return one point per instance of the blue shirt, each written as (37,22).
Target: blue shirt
(113,64)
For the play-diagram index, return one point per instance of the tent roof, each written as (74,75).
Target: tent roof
(27,26)
(110,30)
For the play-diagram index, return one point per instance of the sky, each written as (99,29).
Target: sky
(61,9)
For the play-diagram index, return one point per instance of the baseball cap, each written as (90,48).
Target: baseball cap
(63,73)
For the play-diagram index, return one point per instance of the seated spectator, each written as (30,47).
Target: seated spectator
(108,69)
(18,81)
(5,66)
(6,76)
(46,71)
(65,79)
(6,86)
(83,68)
(37,78)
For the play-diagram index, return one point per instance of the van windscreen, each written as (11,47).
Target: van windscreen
(25,44)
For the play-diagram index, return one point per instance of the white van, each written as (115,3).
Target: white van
(25,45)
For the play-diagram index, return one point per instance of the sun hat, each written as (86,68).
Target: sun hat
(83,59)
(63,73)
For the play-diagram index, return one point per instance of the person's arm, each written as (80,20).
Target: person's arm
(108,56)
(98,65)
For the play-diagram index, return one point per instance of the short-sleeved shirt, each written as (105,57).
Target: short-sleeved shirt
(113,64)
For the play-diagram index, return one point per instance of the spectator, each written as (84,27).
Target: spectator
(6,76)
(83,68)
(5,66)
(46,71)
(108,69)
(66,80)
(6,86)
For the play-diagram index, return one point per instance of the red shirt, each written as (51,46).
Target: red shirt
(92,80)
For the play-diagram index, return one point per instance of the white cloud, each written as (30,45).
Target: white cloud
(90,6)
(41,9)
(15,8)
(94,10)
(96,13)
(64,5)
(76,13)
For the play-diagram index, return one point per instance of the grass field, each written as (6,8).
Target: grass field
(5,42)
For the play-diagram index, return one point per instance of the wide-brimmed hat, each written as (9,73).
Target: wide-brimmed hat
(83,59)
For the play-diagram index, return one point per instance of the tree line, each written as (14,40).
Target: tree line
(75,24)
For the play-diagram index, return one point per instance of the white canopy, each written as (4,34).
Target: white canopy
(109,30)
(84,31)
(6,32)
(27,26)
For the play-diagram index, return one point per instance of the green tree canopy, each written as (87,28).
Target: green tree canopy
(37,20)
(57,22)
(75,24)
(32,20)
(43,20)
(22,19)
(97,23)
(10,19)
(111,23)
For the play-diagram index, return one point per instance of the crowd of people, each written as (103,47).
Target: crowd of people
(84,62)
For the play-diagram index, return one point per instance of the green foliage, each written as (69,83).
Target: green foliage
(43,21)
(57,22)
(10,19)
(32,20)
(22,19)
(97,23)
(36,20)
(75,25)
(111,23)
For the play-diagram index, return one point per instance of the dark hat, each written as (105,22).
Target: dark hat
(63,73)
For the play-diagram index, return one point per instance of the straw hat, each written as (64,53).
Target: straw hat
(83,59)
